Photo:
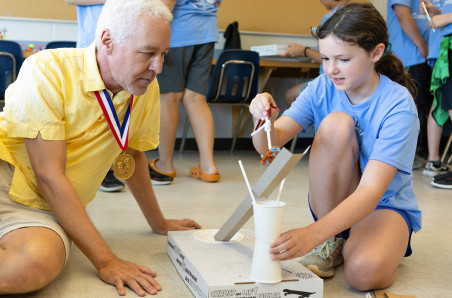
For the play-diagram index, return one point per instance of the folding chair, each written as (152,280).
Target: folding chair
(11,60)
(234,82)
(446,151)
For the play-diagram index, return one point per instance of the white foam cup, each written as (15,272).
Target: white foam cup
(268,217)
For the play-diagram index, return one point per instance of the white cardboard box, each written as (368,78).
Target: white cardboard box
(270,50)
(222,269)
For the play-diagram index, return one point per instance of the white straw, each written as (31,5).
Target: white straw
(269,140)
(280,190)
(268,129)
(246,180)
(426,12)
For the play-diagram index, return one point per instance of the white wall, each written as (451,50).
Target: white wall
(38,30)
(381,5)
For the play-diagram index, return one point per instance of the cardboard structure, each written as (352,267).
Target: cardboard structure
(271,179)
(221,267)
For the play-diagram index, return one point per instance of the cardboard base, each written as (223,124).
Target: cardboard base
(222,269)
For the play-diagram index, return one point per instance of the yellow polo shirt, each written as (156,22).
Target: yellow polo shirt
(54,95)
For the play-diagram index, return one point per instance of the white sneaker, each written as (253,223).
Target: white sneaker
(433,168)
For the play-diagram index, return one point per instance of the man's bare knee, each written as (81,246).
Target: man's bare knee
(29,264)
(23,272)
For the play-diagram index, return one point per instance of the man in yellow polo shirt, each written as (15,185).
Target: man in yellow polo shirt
(69,116)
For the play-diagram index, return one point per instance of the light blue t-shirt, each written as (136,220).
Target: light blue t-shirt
(387,125)
(194,23)
(402,45)
(447,8)
(434,38)
(324,19)
(87,16)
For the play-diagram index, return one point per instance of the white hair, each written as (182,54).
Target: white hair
(121,17)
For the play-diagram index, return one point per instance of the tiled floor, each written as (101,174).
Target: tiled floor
(427,273)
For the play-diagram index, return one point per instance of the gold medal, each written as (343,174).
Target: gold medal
(124,166)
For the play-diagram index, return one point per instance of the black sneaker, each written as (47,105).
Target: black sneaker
(159,178)
(111,183)
(443,181)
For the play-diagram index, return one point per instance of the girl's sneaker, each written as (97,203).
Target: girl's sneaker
(433,168)
(322,259)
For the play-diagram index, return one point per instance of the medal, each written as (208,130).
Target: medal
(124,164)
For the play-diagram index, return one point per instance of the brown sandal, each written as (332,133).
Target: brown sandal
(198,173)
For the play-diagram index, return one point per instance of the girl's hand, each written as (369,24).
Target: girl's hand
(293,244)
(263,105)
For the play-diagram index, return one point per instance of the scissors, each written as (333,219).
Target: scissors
(268,157)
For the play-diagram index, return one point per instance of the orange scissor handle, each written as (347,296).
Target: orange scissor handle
(270,155)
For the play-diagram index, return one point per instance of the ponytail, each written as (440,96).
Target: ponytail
(391,66)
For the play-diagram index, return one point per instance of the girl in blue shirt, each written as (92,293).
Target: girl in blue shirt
(360,180)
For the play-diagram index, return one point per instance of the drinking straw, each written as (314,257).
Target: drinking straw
(268,127)
(246,180)
(280,190)
(426,12)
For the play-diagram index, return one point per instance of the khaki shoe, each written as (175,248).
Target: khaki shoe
(322,259)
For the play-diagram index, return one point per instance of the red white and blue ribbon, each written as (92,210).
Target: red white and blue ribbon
(120,132)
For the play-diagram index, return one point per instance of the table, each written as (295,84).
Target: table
(27,54)
(269,66)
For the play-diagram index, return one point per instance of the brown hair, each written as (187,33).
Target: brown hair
(362,24)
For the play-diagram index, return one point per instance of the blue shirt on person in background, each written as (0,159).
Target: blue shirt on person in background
(434,38)
(87,16)
(402,45)
(194,23)
(447,8)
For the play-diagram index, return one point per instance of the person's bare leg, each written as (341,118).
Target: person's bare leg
(169,116)
(333,163)
(434,132)
(30,259)
(374,250)
(201,121)
(292,93)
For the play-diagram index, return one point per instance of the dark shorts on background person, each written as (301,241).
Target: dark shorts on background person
(345,234)
(187,68)
(446,99)
(422,76)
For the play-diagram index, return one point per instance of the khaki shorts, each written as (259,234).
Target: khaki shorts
(15,216)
